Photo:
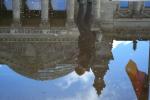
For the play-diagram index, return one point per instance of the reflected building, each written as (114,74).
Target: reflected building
(98,64)
(50,60)
(90,56)
(40,61)
(41,44)
(100,67)
(116,18)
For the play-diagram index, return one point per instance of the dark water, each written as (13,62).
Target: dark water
(111,83)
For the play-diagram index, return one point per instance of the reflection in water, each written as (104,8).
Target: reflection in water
(134,45)
(40,61)
(139,80)
(54,63)
(59,5)
(95,84)
(117,80)
(87,48)
(87,39)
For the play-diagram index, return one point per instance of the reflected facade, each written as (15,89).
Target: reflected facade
(74,50)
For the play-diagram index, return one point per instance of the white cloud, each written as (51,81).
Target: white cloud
(73,77)
(116,43)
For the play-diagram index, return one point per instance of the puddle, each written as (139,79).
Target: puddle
(101,82)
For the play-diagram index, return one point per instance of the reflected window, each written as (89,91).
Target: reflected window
(124,4)
(147,4)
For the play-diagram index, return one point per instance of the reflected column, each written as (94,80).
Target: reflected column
(70,12)
(97,8)
(16,4)
(96,15)
(138,7)
(44,12)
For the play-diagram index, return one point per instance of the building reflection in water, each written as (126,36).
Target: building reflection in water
(106,76)
(49,61)
(87,48)
(40,61)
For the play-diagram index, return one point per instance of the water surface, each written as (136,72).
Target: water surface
(112,83)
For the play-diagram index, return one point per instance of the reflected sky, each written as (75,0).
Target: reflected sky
(59,5)
(74,87)
(8,4)
(118,85)
(34,4)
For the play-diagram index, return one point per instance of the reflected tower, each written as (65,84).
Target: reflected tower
(92,54)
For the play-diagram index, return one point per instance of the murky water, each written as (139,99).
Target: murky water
(107,80)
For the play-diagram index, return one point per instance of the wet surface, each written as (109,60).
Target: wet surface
(86,69)
(31,13)
(105,79)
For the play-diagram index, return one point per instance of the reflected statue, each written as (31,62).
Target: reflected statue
(88,57)
(134,45)
(139,80)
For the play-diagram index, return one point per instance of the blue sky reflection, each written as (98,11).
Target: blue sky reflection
(59,5)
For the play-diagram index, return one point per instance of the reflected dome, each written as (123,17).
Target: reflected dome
(48,73)
(37,60)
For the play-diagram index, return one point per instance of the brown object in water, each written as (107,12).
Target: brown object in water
(139,80)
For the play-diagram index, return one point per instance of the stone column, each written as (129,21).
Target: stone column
(44,11)
(138,6)
(70,11)
(16,4)
(97,9)
(96,15)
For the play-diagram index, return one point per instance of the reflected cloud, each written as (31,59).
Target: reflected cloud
(73,78)
(117,43)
